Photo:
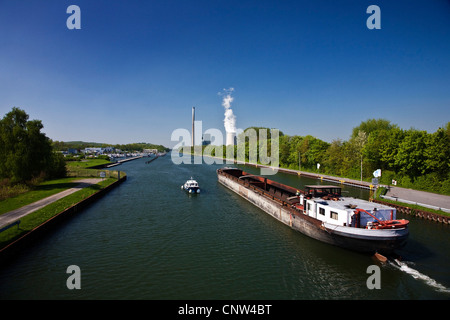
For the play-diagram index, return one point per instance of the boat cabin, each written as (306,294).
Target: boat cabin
(191,184)
(326,204)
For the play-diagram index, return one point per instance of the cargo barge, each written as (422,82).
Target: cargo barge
(322,213)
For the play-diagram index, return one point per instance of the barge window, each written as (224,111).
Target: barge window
(322,211)
(334,215)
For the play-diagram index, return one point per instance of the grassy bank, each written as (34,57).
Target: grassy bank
(38,217)
(85,164)
(75,171)
(39,192)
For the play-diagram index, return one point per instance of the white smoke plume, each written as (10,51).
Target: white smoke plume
(230,118)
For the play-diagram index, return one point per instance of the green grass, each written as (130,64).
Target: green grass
(39,192)
(86,163)
(38,217)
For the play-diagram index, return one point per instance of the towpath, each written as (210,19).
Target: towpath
(11,216)
(420,197)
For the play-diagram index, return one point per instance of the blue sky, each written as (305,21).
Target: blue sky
(136,68)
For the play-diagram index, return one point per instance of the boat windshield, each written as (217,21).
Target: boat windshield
(192,184)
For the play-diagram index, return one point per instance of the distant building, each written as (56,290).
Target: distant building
(155,151)
(98,151)
(93,150)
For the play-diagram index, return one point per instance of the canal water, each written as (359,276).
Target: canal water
(148,239)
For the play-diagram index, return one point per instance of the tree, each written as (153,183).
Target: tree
(410,157)
(437,152)
(25,152)
(295,143)
(372,125)
(284,150)
(374,147)
(334,157)
(389,149)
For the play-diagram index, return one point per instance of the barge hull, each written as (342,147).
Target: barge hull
(307,225)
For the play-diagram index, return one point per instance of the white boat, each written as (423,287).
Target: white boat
(191,186)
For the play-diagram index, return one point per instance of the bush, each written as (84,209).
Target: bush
(8,190)
(387,177)
(445,186)
(405,182)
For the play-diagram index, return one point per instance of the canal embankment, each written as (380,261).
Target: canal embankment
(27,237)
(14,215)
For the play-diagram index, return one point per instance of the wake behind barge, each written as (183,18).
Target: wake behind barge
(321,212)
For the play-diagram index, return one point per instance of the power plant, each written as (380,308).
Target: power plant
(229,121)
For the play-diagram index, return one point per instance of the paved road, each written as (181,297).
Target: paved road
(433,199)
(11,216)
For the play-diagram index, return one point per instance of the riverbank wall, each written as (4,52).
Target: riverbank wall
(35,234)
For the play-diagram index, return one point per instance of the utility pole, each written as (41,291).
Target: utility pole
(361,140)
(193,121)
(361,165)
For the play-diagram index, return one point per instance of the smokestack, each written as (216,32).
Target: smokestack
(193,121)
